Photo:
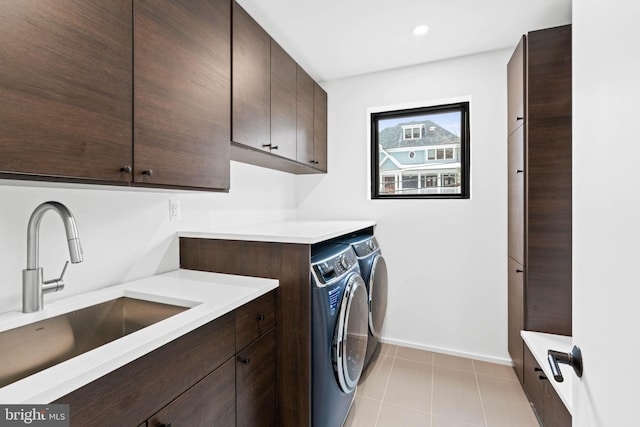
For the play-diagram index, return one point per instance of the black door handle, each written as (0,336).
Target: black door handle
(573,359)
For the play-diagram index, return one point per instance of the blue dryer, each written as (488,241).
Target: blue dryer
(339,332)
(373,270)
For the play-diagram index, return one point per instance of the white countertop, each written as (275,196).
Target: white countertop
(295,231)
(210,295)
(539,344)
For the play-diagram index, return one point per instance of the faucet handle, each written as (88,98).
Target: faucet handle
(55,285)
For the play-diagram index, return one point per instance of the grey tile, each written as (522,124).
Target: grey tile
(414,354)
(410,385)
(493,369)
(373,381)
(454,362)
(388,349)
(456,396)
(363,413)
(504,402)
(394,416)
(439,421)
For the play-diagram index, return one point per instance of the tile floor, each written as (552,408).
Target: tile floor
(405,387)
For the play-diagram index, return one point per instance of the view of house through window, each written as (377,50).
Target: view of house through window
(421,152)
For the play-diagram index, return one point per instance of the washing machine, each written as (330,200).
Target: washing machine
(339,332)
(373,270)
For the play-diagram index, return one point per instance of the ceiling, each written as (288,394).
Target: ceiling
(333,39)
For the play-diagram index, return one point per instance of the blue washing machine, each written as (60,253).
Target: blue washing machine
(373,270)
(339,332)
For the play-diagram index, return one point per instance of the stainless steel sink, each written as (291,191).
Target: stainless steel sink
(37,346)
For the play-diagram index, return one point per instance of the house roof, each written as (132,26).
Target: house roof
(434,134)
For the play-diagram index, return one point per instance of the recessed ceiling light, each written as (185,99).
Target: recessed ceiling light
(420,30)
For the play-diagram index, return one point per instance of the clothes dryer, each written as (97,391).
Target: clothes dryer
(373,270)
(339,332)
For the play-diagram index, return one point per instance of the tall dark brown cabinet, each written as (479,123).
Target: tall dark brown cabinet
(539,180)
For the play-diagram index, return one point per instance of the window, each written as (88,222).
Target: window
(441,132)
(412,132)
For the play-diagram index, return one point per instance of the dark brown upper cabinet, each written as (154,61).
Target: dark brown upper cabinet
(283,103)
(251,82)
(305,90)
(319,128)
(182,93)
(312,122)
(66,89)
(73,71)
(273,101)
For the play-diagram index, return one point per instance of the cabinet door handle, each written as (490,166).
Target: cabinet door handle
(243,360)
(519,118)
(147,172)
(536,369)
(519,271)
(542,377)
(260,317)
(519,171)
(164,425)
(126,169)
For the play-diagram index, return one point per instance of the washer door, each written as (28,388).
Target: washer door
(377,295)
(350,339)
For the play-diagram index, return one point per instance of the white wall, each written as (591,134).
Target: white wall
(606,210)
(125,233)
(446,258)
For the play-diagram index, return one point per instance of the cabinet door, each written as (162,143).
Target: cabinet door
(65,84)
(516,315)
(305,118)
(535,383)
(181,93)
(255,383)
(516,69)
(319,128)
(251,81)
(208,403)
(516,198)
(555,413)
(283,103)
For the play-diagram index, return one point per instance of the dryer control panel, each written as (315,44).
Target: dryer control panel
(331,269)
(366,247)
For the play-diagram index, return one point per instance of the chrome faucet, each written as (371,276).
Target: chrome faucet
(33,285)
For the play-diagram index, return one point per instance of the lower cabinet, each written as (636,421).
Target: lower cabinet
(207,403)
(255,383)
(198,379)
(547,404)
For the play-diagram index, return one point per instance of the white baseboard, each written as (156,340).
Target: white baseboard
(484,358)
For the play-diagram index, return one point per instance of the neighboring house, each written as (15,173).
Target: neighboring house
(419,157)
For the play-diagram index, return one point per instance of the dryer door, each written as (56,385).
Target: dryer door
(377,295)
(350,340)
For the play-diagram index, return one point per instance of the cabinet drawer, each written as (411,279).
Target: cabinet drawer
(132,393)
(254,319)
(209,402)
